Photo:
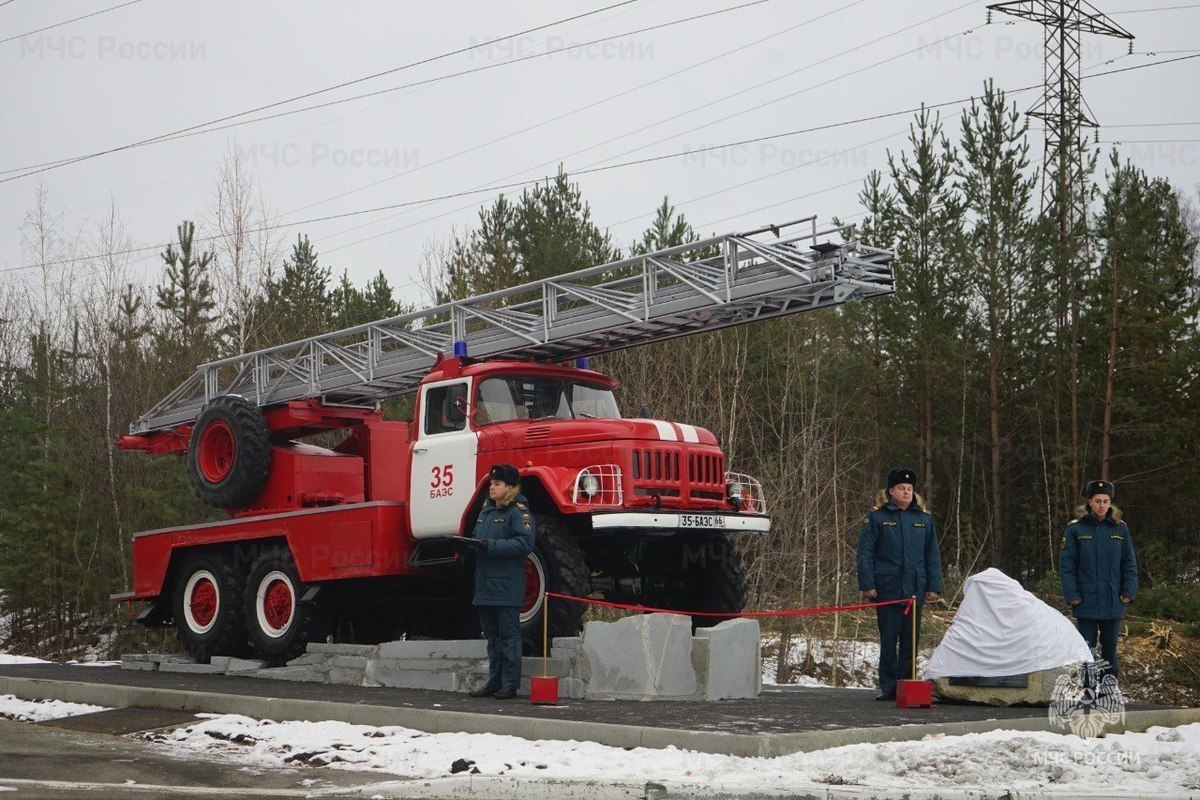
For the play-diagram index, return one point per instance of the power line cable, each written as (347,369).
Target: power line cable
(1148,10)
(602,168)
(66,22)
(528,182)
(578,109)
(344,84)
(691,110)
(214,125)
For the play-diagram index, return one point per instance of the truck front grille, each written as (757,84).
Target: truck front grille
(675,472)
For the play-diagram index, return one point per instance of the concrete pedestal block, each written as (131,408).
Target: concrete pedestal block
(305,674)
(728,659)
(647,657)
(194,669)
(1038,691)
(434,648)
(144,666)
(393,672)
(321,648)
(555,667)
(439,681)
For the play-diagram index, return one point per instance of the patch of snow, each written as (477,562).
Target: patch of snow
(7,658)
(14,708)
(1162,760)
(75,663)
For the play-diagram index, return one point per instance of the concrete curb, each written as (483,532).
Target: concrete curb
(430,721)
(551,789)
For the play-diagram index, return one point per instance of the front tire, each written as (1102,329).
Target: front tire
(713,580)
(206,606)
(556,564)
(279,622)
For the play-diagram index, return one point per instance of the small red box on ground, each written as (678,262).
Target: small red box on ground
(543,691)
(914,694)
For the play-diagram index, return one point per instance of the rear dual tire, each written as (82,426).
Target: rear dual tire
(223,611)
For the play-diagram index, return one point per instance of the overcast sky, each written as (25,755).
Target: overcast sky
(158,66)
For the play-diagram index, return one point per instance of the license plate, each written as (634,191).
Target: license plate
(701,521)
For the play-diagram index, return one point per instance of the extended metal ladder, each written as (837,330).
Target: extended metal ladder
(638,300)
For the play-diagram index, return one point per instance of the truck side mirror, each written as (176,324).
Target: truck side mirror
(456,403)
(645,412)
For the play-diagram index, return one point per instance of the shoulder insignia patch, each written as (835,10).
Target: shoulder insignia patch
(1063,544)
(527,522)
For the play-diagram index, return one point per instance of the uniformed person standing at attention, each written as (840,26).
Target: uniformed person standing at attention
(1098,570)
(502,538)
(898,557)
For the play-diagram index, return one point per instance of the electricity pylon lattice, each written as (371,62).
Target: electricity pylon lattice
(1062,107)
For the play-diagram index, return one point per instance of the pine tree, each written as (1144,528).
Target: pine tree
(926,316)
(667,230)
(297,303)
(1141,321)
(186,336)
(555,234)
(1001,256)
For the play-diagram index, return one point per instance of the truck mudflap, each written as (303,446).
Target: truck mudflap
(668,522)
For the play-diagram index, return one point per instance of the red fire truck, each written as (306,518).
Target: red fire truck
(351,540)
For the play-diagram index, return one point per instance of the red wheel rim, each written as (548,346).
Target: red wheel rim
(217,451)
(533,587)
(277,604)
(203,602)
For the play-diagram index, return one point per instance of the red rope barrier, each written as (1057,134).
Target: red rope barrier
(791,612)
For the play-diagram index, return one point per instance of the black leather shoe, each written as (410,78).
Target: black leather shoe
(886,696)
(484,691)
(505,694)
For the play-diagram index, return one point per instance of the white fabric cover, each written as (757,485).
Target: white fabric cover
(1001,629)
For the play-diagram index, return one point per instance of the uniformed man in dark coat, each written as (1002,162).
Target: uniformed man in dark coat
(1098,570)
(898,557)
(502,538)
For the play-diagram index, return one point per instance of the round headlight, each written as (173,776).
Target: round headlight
(734,489)
(589,484)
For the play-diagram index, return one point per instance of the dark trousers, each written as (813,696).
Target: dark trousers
(1106,630)
(895,645)
(501,627)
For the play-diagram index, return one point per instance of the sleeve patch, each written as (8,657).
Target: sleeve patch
(1063,544)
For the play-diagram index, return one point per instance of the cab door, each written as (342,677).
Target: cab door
(443,477)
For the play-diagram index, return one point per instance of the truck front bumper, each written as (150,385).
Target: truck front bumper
(670,521)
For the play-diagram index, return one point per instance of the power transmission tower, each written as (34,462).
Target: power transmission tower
(1064,180)
(1062,107)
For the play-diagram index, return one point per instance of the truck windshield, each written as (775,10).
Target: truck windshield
(541,397)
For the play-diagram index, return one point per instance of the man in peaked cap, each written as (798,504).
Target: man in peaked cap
(1098,570)
(898,557)
(503,537)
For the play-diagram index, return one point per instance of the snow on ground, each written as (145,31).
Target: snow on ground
(1162,760)
(6,658)
(39,710)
